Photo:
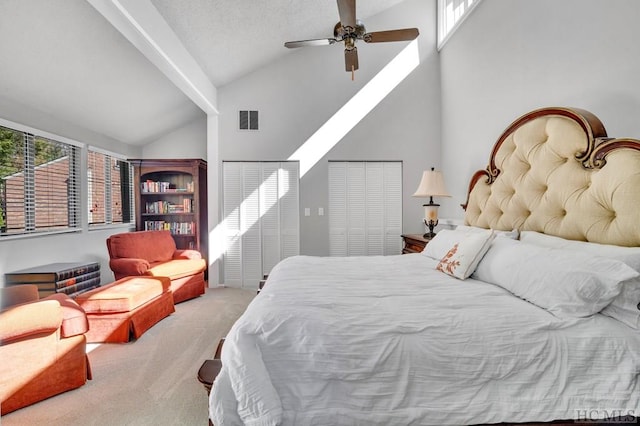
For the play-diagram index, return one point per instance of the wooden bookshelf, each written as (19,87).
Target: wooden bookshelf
(172,195)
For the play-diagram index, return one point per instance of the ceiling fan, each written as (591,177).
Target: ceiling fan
(349,30)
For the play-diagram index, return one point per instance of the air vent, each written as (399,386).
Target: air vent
(248,120)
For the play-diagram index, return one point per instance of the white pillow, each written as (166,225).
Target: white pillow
(626,306)
(439,245)
(463,256)
(628,255)
(508,234)
(566,283)
(444,240)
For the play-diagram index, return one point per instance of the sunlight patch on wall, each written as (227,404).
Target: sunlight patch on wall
(232,227)
(347,117)
(327,136)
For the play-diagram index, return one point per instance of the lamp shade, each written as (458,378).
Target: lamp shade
(431,185)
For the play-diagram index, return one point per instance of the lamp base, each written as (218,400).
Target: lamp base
(430,224)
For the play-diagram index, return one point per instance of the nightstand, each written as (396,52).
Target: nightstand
(413,243)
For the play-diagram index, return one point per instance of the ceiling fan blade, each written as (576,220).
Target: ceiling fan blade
(315,42)
(347,12)
(391,35)
(351,59)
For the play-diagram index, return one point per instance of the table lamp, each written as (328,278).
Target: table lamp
(431,185)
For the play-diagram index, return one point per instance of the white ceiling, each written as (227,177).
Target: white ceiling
(64,59)
(232,38)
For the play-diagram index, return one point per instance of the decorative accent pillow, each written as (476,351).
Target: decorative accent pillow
(564,282)
(626,306)
(463,257)
(444,240)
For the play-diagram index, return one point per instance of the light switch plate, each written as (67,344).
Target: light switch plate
(307,211)
(320,211)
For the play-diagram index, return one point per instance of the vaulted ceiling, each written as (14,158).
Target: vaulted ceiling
(65,59)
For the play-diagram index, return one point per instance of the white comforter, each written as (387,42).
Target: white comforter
(391,341)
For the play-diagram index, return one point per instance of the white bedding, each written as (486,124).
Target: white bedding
(390,341)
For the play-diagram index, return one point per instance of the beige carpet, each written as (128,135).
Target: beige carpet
(151,381)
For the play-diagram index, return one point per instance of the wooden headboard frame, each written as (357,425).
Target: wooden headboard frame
(554,170)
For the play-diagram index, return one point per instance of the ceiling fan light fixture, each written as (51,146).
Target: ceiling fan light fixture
(349,30)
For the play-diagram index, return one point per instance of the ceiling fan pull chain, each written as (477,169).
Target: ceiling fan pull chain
(353,73)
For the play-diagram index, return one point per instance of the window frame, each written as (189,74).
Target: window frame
(81,185)
(31,195)
(126,191)
(443,33)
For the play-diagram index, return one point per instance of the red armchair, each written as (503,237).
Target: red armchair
(42,346)
(154,253)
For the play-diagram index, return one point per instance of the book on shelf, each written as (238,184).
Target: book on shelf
(166,207)
(176,228)
(51,273)
(72,290)
(76,280)
(81,287)
(151,186)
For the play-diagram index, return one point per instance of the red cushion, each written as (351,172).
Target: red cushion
(152,246)
(123,295)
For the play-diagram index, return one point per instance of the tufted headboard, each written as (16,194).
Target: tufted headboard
(554,170)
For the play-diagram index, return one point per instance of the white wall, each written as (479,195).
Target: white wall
(188,141)
(81,246)
(510,57)
(298,94)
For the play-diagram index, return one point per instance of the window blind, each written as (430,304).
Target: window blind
(109,189)
(451,13)
(39,185)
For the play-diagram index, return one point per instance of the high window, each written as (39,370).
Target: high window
(109,189)
(451,13)
(39,185)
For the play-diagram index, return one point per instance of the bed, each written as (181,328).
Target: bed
(525,314)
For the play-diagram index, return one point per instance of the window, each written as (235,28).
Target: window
(451,13)
(39,185)
(109,189)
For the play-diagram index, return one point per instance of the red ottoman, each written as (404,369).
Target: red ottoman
(126,308)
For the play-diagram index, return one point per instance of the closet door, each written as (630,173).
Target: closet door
(261,217)
(250,220)
(365,208)
(392,188)
(337,208)
(289,203)
(233,195)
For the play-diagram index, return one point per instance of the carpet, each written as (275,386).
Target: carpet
(151,381)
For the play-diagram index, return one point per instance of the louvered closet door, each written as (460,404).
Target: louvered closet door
(365,208)
(288,190)
(261,211)
(392,186)
(337,209)
(270,217)
(233,195)
(250,223)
